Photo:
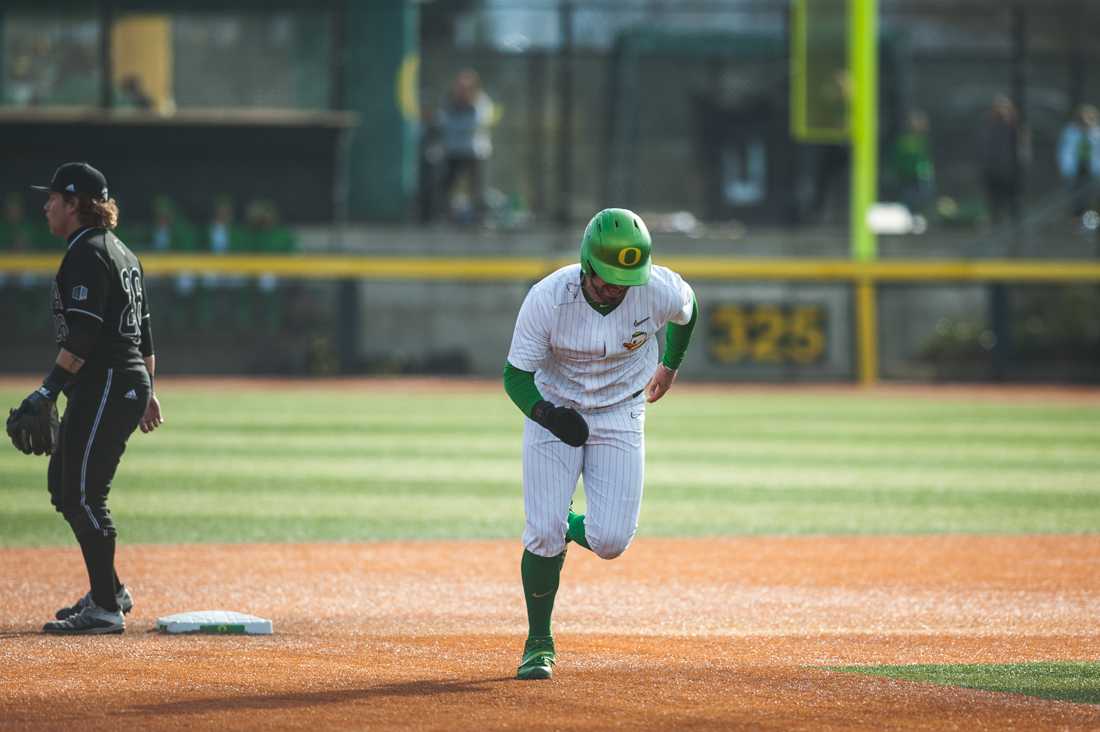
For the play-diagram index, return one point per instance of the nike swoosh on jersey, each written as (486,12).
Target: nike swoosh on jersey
(639,322)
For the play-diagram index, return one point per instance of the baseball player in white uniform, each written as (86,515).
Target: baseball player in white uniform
(582,365)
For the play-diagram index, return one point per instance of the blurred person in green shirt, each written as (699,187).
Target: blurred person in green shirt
(17,231)
(171,229)
(225,235)
(1079,159)
(263,233)
(910,164)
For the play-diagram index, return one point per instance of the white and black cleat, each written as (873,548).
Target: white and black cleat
(124,598)
(92,620)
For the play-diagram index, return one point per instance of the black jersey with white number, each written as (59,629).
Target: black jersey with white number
(101,279)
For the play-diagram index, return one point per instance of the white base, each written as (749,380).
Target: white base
(217,622)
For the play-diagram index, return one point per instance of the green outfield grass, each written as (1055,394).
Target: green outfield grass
(334,464)
(1063,681)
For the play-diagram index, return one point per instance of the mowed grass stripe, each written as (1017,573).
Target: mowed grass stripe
(794,518)
(202,517)
(164,491)
(330,464)
(1052,454)
(688,480)
(796,430)
(685,475)
(337,404)
(47,529)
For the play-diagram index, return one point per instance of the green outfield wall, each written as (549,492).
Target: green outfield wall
(770,320)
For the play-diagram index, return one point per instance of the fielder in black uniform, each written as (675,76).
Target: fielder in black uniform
(104,367)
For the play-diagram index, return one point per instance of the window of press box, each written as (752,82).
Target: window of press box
(161,62)
(49,59)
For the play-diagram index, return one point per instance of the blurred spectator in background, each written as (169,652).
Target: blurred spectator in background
(18,231)
(910,164)
(19,87)
(171,230)
(262,231)
(225,235)
(263,234)
(1079,159)
(431,158)
(829,175)
(464,120)
(1005,152)
(131,94)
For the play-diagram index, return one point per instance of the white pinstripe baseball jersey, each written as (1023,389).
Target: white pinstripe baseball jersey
(586,360)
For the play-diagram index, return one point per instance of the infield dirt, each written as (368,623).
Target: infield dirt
(676,634)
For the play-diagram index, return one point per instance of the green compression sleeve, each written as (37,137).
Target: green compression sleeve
(521,389)
(677,338)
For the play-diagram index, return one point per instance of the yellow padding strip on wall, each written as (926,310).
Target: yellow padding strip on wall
(532,268)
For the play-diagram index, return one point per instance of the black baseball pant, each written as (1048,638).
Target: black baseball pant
(100,416)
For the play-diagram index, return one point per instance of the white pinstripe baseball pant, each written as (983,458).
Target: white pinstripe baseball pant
(613,465)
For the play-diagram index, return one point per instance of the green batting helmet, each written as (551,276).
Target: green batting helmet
(616,246)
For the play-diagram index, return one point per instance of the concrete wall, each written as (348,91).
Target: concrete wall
(428,326)
(747,331)
(413,325)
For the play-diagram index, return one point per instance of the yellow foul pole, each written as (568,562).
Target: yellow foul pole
(863,65)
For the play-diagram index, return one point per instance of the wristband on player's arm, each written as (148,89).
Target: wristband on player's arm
(677,338)
(55,382)
(566,424)
(521,389)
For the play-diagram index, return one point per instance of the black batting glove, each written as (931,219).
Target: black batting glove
(566,424)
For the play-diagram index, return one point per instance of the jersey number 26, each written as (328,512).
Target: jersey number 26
(129,324)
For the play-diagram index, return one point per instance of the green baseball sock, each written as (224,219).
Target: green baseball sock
(540,585)
(576,530)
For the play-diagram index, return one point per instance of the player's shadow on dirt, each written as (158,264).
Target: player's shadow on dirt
(313,698)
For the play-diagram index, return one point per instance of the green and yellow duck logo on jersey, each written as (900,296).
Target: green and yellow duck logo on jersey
(637,340)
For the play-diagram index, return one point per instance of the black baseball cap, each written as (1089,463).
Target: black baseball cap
(77,178)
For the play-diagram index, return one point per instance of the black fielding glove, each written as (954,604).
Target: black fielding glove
(33,427)
(566,424)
